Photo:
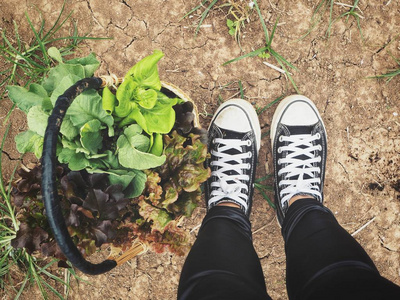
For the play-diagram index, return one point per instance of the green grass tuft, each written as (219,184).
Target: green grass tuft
(264,188)
(30,63)
(351,12)
(390,74)
(267,51)
(327,5)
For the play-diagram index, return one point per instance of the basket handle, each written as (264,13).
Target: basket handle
(49,187)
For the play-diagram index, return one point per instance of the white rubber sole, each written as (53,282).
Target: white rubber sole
(281,109)
(251,113)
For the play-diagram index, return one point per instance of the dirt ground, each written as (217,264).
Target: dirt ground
(360,114)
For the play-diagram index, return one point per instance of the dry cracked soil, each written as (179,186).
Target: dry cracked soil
(360,114)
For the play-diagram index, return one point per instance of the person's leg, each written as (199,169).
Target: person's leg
(222,263)
(323,260)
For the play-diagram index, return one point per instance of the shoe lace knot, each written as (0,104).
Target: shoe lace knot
(229,167)
(300,173)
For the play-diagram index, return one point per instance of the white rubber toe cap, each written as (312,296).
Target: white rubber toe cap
(294,110)
(240,116)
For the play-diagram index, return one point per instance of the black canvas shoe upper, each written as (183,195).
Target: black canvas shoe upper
(233,164)
(299,158)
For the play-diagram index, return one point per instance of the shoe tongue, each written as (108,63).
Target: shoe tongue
(301,130)
(232,135)
(229,134)
(294,130)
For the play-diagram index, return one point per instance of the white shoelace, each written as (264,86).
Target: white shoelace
(299,145)
(230,186)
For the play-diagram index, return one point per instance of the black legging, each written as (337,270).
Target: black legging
(323,260)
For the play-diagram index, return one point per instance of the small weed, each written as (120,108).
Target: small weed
(204,14)
(239,12)
(261,110)
(351,12)
(326,5)
(28,63)
(232,26)
(267,51)
(318,14)
(390,74)
(264,188)
(241,89)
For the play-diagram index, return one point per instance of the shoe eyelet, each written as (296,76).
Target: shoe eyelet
(248,143)
(279,162)
(249,154)
(279,150)
(248,166)
(281,138)
(319,148)
(318,135)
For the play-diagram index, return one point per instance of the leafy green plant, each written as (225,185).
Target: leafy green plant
(130,161)
(120,141)
(172,191)
(267,51)
(232,26)
(29,63)
(140,100)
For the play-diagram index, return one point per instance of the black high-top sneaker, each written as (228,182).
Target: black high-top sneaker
(233,141)
(299,148)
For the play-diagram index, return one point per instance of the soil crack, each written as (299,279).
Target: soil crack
(384,46)
(130,43)
(161,32)
(126,4)
(92,13)
(9,156)
(385,247)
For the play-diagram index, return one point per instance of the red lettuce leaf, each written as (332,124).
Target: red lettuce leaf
(29,238)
